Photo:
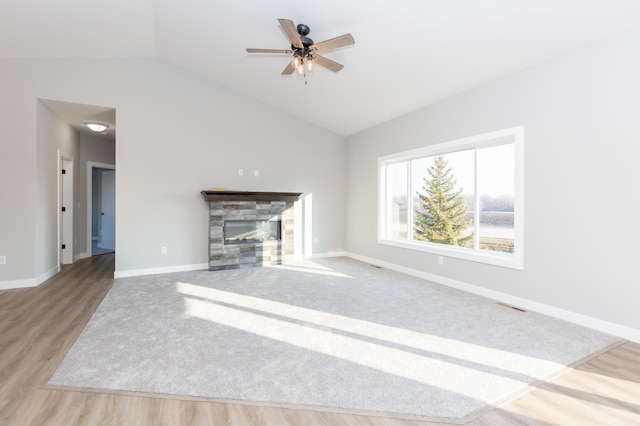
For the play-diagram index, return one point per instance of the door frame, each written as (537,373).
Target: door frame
(65,190)
(90,166)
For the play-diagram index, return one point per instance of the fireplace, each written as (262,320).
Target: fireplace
(249,229)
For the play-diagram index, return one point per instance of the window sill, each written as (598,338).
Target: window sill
(505,260)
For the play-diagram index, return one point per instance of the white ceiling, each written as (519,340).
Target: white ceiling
(77,115)
(408,53)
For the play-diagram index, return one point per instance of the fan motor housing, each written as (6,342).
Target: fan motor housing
(303,31)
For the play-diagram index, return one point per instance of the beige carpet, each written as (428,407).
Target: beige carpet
(334,334)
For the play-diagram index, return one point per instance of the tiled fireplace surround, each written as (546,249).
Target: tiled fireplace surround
(246,205)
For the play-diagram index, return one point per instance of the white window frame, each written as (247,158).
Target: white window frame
(513,260)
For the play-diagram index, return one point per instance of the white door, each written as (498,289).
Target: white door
(66,214)
(108,212)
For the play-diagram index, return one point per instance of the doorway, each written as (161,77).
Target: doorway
(101,211)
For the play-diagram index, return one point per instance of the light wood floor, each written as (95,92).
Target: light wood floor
(38,325)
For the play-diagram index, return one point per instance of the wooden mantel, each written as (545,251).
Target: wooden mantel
(250,196)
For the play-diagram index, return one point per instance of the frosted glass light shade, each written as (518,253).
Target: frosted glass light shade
(96,127)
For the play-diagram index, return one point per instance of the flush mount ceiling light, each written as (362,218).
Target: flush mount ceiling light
(96,127)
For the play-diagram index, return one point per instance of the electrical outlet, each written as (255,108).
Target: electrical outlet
(256,172)
(240,172)
(440,260)
(3,260)
(163,250)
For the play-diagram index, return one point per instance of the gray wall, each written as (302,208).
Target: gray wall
(177,135)
(581,114)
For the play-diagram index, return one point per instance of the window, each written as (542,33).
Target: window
(462,198)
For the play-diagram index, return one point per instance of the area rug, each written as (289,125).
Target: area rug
(333,334)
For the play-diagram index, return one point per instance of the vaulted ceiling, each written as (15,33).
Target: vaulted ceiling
(408,53)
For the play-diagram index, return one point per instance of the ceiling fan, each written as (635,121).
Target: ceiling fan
(305,51)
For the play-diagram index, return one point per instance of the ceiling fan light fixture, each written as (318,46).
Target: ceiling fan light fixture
(96,127)
(297,61)
(306,50)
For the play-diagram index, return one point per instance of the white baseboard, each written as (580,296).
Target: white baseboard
(162,270)
(50,273)
(81,256)
(614,329)
(10,285)
(29,282)
(326,255)
(200,266)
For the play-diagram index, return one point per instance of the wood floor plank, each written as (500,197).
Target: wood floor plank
(39,325)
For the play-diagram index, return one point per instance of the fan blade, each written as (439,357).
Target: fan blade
(292,33)
(250,50)
(327,63)
(334,43)
(289,69)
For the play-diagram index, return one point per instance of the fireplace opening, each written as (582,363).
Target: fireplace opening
(251,231)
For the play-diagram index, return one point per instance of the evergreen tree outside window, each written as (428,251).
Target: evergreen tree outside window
(440,216)
(461,198)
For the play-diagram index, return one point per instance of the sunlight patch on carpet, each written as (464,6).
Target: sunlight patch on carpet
(340,335)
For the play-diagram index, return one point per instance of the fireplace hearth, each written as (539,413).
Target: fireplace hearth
(248,229)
